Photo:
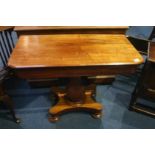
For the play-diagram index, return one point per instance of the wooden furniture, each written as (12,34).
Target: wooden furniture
(145,87)
(151,54)
(4,97)
(36,30)
(3,28)
(28,30)
(75,57)
(6,47)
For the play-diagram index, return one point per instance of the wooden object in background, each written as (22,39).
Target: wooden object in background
(6,47)
(7,101)
(145,87)
(3,28)
(73,56)
(29,30)
(151,55)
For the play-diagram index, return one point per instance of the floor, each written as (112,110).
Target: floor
(32,108)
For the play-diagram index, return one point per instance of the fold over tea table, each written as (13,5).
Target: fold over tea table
(73,56)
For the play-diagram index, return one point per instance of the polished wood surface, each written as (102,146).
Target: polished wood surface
(29,30)
(65,105)
(2,28)
(33,30)
(73,50)
(74,56)
(75,97)
(64,72)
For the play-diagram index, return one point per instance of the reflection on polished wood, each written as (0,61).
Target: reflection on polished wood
(38,30)
(75,56)
(74,50)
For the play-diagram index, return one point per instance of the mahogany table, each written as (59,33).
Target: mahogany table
(37,30)
(73,56)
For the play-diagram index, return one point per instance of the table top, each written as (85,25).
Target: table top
(27,28)
(61,50)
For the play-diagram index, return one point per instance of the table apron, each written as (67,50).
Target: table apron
(64,72)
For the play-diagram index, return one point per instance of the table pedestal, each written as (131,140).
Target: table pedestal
(75,98)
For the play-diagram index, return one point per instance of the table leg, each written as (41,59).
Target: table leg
(75,98)
(6,99)
(9,103)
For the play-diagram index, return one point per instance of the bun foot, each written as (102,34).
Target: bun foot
(97,115)
(53,118)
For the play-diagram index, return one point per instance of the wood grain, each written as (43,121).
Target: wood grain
(2,28)
(61,72)
(40,51)
(73,56)
(151,56)
(28,30)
